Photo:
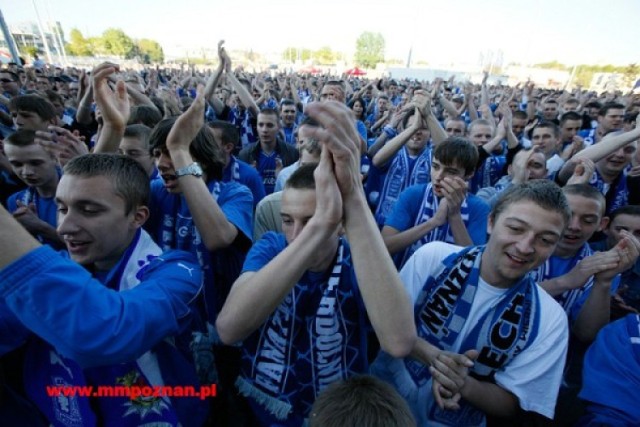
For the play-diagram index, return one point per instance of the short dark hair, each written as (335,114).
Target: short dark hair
(146,115)
(130,180)
(569,115)
(519,114)
(14,76)
(544,193)
(21,138)
(457,151)
(624,210)
(230,134)
(362,400)
(203,148)
(33,104)
(270,112)
(545,124)
(610,106)
(138,131)
(586,191)
(302,178)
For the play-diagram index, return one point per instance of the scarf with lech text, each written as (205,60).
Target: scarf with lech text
(506,328)
(305,345)
(428,209)
(400,177)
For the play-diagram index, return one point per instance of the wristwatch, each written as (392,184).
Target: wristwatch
(193,169)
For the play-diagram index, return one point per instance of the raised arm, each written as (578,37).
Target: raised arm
(212,224)
(385,299)
(114,106)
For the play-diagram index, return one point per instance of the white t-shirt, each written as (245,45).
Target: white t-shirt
(534,375)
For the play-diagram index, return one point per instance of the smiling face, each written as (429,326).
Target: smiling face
(93,222)
(586,219)
(522,237)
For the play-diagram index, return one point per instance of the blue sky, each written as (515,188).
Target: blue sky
(444,31)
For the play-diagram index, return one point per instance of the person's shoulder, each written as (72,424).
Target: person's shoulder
(437,249)
(477,202)
(416,190)
(552,315)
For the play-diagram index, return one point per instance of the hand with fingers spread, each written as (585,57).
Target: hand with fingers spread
(62,144)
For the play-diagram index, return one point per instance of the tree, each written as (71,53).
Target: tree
(31,51)
(78,45)
(150,51)
(116,42)
(630,75)
(324,55)
(369,49)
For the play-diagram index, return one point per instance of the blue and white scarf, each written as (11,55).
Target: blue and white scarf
(488,173)
(616,194)
(428,210)
(507,328)
(305,345)
(44,365)
(401,176)
(553,268)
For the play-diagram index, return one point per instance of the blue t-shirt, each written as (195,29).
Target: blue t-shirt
(245,174)
(172,227)
(405,213)
(46,208)
(267,168)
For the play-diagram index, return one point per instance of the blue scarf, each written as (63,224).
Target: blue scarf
(232,171)
(506,329)
(553,267)
(401,176)
(428,210)
(616,194)
(305,345)
(45,366)
(488,173)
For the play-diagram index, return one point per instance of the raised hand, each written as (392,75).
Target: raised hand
(114,105)
(187,125)
(62,144)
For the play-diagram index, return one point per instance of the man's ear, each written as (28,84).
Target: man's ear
(604,224)
(489,224)
(140,216)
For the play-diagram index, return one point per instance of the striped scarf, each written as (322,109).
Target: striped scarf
(428,210)
(401,176)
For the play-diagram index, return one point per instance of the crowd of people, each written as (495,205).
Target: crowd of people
(327,251)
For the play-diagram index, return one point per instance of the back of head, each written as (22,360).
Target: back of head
(362,401)
(130,181)
(230,134)
(544,193)
(302,178)
(203,148)
(33,104)
(146,115)
(139,131)
(457,151)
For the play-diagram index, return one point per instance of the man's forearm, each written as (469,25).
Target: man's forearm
(14,239)
(384,296)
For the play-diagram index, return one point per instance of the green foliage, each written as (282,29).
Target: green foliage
(149,51)
(291,54)
(78,45)
(116,42)
(369,49)
(324,56)
(585,72)
(31,51)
